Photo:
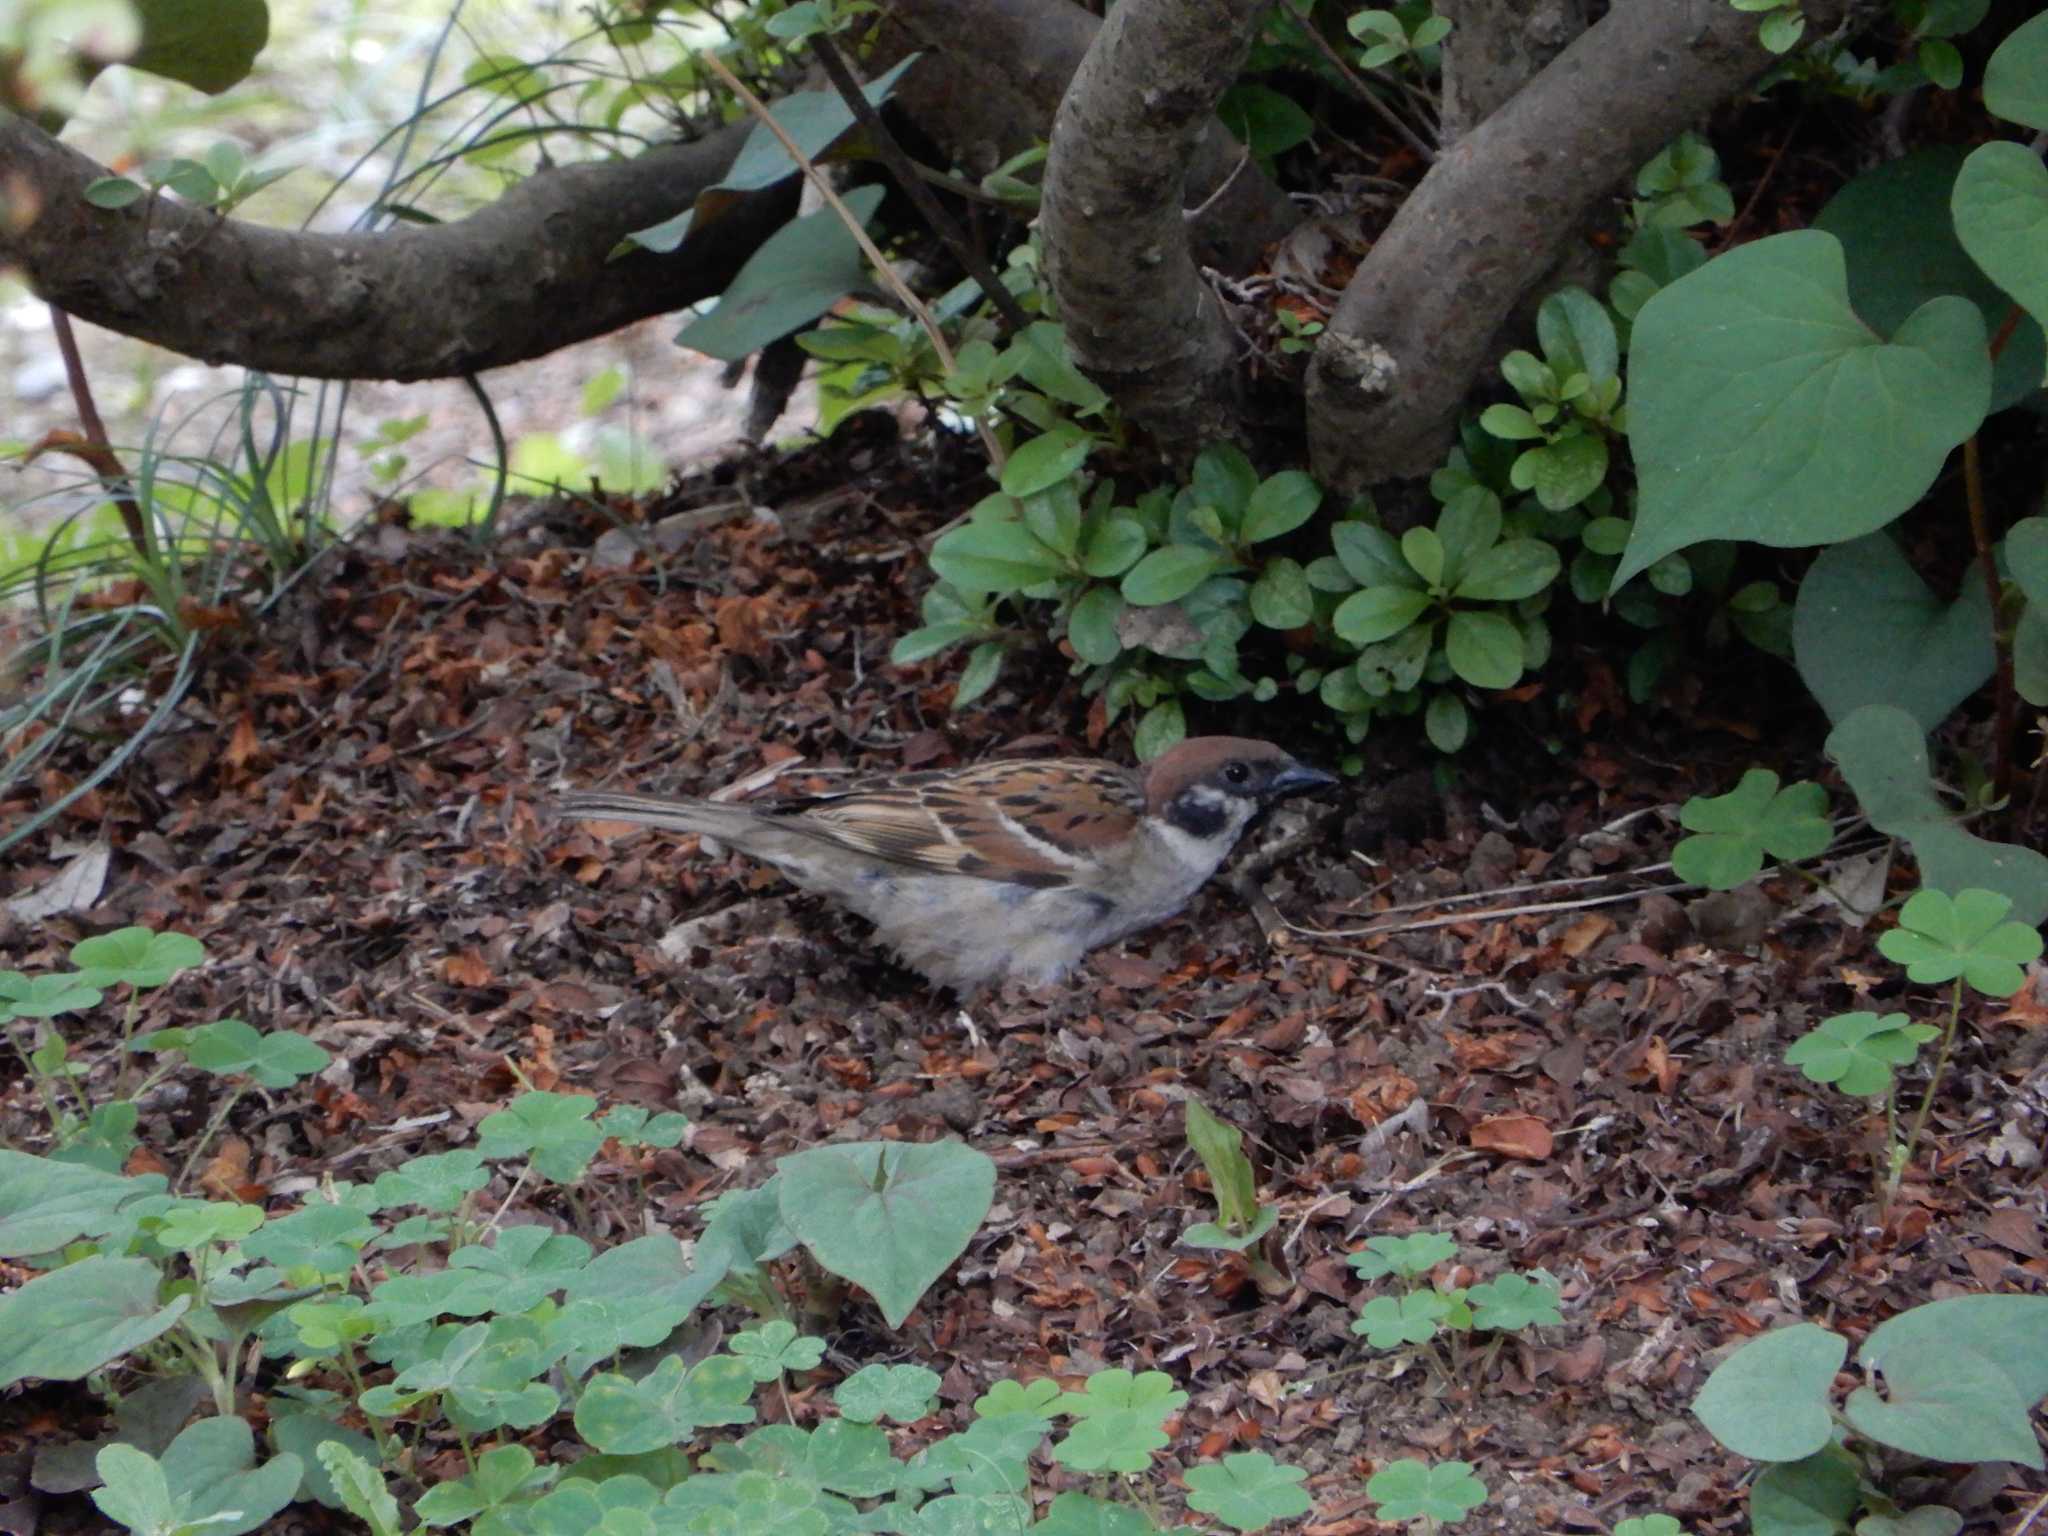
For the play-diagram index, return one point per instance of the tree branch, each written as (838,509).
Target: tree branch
(997,72)
(1140,319)
(514,280)
(1494,48)
(1412,330)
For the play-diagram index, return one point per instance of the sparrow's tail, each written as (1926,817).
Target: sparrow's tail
(706,817)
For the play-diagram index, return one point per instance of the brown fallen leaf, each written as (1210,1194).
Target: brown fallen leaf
(1522,1136)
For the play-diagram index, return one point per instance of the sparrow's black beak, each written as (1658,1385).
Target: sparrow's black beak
(1297,779)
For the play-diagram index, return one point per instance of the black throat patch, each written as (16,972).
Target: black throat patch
(1199,812)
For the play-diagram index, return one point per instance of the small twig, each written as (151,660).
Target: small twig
(888,274)
(900,166)
(1360,89)
(96,430)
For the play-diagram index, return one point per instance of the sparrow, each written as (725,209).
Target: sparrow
(1007,870)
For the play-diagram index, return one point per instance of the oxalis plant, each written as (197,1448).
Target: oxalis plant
(1968,940)
(1949,1381)
(1419,1313)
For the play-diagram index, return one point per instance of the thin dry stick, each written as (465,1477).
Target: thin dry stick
(901,167)
(895,284)
(1364,92)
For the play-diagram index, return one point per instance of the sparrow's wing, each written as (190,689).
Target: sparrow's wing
(1032,823)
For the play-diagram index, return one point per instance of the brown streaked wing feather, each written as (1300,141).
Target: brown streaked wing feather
(967,823)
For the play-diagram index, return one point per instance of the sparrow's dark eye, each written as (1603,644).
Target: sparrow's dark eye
(1237,773)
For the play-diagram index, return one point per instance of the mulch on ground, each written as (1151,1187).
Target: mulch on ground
(352,812)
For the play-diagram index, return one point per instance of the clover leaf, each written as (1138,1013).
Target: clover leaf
(44,997)
(1120,1421)
(905,1393)
(138,956)
(552,1131)
(1386,1322)
(776,1347)
(1857,1051)
(1733,832)
(1248,1490)
(1941,937)
(1409,1490)
(1409,1257)
(1515,1301)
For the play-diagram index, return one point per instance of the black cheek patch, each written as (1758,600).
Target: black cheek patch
(1197,815)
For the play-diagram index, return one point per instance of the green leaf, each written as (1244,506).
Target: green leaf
(1113,547)
(136,1493)
(1734,832)
(1577,334)
(45,1205)
(1170,574)
(1409,1257)
(1423,549)
(1769,1399)
(984,666)
(1263,120)
(1120,1417)
(1409,1490)
(436,1182)
(1510,571)
(69,1322)
(138,956)
(992,554)
(1387,1322)
(360,1486)
(794,276)
(1485,649)
(1899,237)
(1223,478)
(1447,722)
(776,1347)
(2001,214)
(1563,473)
(1370,556)
(905,1393)
(1220,1146)
(1882,752)
(232,1048)
(211,1476)
(1946,1402)
(1815,1496)
(1929,655)
(1164,725)
(1248,1491)
(1091,627)
(1045,461)
(668,1405)
(2016,76)
(889,1216)
(1941,937)
(209,45)
(504,1475)
(1649,1525)
(1280,505)
(2011,1331)
(1513,1302)
(44,997)
(1378,613)
(1510,423)
(1856,1052)
(1282,598)
(552,1131)
(1831,434)
(114,192)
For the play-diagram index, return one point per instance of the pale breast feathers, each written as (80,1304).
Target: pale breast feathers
(1031,823)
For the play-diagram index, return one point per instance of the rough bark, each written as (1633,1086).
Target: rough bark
(1490,218)
(994,79)
(1139,317)
(514,280)
(1495,47)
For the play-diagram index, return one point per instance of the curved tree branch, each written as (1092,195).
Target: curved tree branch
(1492,215)
(514,280)
(997,72)
(1140,319)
